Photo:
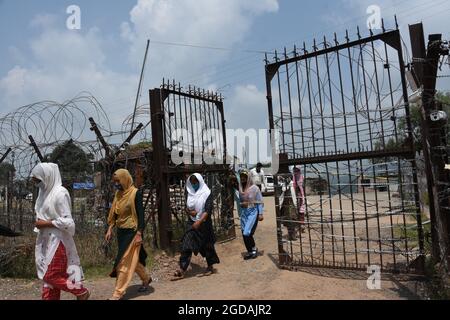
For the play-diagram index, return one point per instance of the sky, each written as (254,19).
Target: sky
(43,60)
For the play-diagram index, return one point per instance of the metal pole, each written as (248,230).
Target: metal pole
(100,137)
(161,162)
(36,148)
(130,137)
(5,155)
(140,86)
(431,138)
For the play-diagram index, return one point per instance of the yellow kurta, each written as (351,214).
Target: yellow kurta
(123,210)
(123,215)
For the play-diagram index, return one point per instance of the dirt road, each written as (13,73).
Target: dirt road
(238,279)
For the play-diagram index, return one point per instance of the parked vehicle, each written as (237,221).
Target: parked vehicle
(268,187)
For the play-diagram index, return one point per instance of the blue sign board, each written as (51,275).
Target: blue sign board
(83,186)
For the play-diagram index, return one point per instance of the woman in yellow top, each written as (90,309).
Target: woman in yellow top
(127,215)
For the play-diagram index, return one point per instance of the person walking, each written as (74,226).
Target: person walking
(252,210)
(57,260)
(199,236)
(127,216)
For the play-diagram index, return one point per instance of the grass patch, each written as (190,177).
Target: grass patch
(410,232)
(17,258)
(438,286)
(17,255)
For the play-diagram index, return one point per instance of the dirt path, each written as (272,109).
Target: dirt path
(238,279)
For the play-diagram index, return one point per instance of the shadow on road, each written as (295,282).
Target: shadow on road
(133,292)
(406,285)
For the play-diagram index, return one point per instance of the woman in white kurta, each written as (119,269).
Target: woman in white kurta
(57,261)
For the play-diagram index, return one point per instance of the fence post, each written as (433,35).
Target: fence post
(438,178)
(160,164)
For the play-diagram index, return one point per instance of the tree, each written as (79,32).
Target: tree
(73,163)
(441,97)
(5,169)
(391,144)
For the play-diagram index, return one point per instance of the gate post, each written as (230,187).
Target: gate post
(160,165)
(425,69)
(436,173)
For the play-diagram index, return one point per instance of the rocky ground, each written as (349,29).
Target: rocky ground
(238,279)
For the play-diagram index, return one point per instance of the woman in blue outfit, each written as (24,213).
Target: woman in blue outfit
(252,208)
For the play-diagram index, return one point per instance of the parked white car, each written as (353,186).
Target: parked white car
(268,187)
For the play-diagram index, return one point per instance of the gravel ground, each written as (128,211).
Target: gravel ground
(238,279)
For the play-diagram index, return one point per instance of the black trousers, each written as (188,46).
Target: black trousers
(209,252)
(249,241)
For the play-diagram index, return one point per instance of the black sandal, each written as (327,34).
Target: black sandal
(145,287)
(178,275)
(209,271)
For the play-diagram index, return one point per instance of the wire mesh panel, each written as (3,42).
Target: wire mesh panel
(343,116)
(188,136)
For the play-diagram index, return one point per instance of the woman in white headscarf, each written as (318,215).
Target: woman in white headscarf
(199,236)
(57,261)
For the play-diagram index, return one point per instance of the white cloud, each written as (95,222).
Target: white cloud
(434,15)
(14,82)
(247,108)
(64,63)
(60,63)
(202,22)
(43,21)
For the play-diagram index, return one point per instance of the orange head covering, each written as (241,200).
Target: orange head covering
(125,179)
(124,199)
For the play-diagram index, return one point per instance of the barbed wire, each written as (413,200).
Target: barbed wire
(51,124)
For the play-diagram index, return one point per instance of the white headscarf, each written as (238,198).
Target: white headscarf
(250,193)
(196,200)
(51,186)
(53,204)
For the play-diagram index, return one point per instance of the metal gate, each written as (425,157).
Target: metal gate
(343,115)
(188,136)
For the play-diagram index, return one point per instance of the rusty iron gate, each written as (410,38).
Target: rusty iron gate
(343,116)
(188,136)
